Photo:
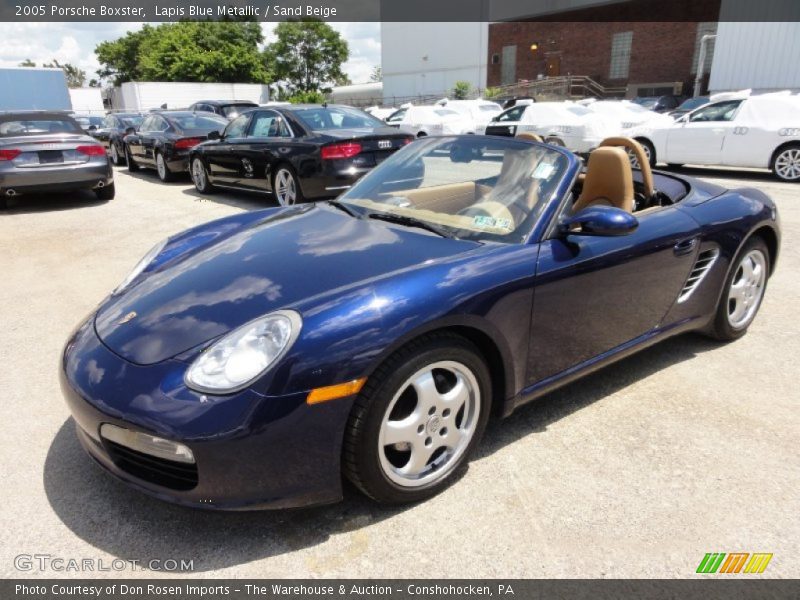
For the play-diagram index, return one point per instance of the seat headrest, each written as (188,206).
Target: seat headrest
(609,180)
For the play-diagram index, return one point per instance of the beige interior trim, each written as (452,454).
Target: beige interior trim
(609,180)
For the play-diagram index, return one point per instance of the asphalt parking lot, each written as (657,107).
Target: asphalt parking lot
(637,471)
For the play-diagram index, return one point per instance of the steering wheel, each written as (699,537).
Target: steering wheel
(644,164)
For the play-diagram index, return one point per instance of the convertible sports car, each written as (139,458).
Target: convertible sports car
(251,361)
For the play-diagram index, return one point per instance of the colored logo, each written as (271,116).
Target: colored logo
(735,562)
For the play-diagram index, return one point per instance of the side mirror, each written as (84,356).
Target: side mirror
(214,135)
(130,131)
(92,127)
(599,220)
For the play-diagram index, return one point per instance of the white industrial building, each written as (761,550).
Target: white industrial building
(427,59)
(760,56)
(141,95)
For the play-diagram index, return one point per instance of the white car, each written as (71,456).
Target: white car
(566,124)
(629,114)
(746,131)
(431,120)
(380,112)
(479,111)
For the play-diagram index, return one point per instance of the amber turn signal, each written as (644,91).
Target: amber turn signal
(332,392)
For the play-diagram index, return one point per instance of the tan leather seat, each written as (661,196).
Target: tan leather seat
(530,136)
(609,180)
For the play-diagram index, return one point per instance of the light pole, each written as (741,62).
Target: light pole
(701,59)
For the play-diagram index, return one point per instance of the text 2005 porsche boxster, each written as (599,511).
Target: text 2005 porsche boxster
(251,361)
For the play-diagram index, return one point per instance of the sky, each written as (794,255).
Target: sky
(75,42)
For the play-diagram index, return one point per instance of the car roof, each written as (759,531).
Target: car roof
(47,114)
(227,102)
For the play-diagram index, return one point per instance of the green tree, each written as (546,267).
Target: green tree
(76,77)
(461,90)
(492,92)
(377,74)
(307,55)
(207,51)
(312,97)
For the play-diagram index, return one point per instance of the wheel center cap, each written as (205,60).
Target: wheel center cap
(434,423)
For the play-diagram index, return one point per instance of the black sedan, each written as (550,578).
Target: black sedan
(42,152)
(230,109)
(112,130)
(164,139)
(299,152)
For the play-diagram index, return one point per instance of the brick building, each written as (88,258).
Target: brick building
(649,57)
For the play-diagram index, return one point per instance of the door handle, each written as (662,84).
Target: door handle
(684,247)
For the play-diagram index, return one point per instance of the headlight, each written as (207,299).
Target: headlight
(141,265)
(244,354)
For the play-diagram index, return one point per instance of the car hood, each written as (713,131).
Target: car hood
(291,256)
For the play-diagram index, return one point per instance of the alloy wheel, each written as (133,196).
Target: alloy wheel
(161,166)
(429,424)
(787,164)
(114,153)
(285,188)
(199,174)
(747,289)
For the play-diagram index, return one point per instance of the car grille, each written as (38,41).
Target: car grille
(166,473)
(705,260)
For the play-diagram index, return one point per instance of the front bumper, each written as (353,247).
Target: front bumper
(59,178)
(251,451)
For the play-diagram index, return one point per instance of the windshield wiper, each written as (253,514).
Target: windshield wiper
(410,222)
(344,208)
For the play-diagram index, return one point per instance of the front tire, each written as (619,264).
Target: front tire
(132,166)
(786,163)
(417,420)
(649,152)
(285,187)
(743,291)
(164,174)
(200,176)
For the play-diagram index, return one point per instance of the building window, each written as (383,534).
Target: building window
(620,55)
(703,29)
(495,59)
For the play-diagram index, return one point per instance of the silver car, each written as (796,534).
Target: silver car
(49,152)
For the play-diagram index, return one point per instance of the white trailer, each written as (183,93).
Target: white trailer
(87,101)
(146,95)
(33,88)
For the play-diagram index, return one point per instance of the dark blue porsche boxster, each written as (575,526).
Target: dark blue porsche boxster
(252,361)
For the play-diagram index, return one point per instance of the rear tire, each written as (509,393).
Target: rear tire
(106,192)
(132,166)
(433,397)
(286,187)
(115,157)
(743,291)
(164,174)
(786,163)
(200,176)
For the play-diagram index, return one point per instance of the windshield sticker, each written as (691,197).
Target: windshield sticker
(492,223)
(543,171)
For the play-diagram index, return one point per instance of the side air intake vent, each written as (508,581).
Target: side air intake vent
(705,261)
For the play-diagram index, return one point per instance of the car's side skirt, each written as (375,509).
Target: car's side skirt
(545,386)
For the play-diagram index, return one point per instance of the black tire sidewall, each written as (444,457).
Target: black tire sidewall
(722,327)
(374,481)
(132,166)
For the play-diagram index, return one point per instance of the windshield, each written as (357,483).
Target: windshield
(692,103)
(14,126)
(647,102)
(234,110)
(474,187)
(86,122)
(335,117)
(208,122)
